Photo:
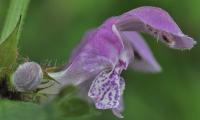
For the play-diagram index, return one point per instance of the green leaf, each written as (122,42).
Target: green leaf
(11,32)
(17,9)
(8,49)
(69,104)
(73,107)
(67,91)
(12,110)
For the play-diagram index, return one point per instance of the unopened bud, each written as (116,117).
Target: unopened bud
(27,76)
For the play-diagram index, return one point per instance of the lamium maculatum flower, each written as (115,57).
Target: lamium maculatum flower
(116,45)
(27,77)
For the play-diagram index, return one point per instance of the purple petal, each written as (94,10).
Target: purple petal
(99,50)
(143,58)
(105,90)
(156,22)
(119,109)
(126,53)
(88,36)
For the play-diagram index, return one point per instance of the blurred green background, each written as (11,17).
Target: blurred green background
(53,28)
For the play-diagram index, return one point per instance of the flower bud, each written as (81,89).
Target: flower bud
(27,76)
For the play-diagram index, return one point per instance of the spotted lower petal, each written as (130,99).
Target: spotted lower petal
(105,90)
(119,109)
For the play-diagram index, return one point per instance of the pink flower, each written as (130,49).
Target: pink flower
(109,49)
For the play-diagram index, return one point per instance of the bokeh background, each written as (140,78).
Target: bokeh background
(53,28)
